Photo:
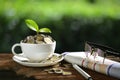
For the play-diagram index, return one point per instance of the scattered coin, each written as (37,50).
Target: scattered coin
(51,71)
(66,73)
(58,71)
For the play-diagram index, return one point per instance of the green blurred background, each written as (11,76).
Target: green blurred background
(72,22)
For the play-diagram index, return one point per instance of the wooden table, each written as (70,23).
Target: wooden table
(10,70)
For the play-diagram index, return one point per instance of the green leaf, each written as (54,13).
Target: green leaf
(32,25)
(45,30)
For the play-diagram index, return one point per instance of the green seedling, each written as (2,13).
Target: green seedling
(33,26)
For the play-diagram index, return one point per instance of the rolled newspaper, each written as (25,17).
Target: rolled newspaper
(109,67)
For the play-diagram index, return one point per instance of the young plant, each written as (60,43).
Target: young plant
(33,26)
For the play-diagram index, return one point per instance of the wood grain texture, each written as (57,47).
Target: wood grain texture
(6,63)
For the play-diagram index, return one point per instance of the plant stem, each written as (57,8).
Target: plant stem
(37,33)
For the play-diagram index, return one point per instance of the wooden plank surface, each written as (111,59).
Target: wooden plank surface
(6,63)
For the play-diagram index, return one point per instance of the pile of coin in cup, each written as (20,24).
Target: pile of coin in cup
(38,39)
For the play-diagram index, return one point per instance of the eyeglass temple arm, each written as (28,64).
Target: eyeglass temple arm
(107,49)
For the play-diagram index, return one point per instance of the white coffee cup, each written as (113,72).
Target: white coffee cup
(35,52)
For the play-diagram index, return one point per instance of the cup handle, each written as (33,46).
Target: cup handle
(13,49)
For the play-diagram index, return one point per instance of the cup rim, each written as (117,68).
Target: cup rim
(38,44)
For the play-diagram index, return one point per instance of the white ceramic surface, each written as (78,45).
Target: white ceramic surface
(49,62)
(35,52)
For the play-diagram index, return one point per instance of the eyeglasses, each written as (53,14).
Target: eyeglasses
(100,50)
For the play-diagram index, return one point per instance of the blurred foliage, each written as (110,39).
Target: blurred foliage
(72,22)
